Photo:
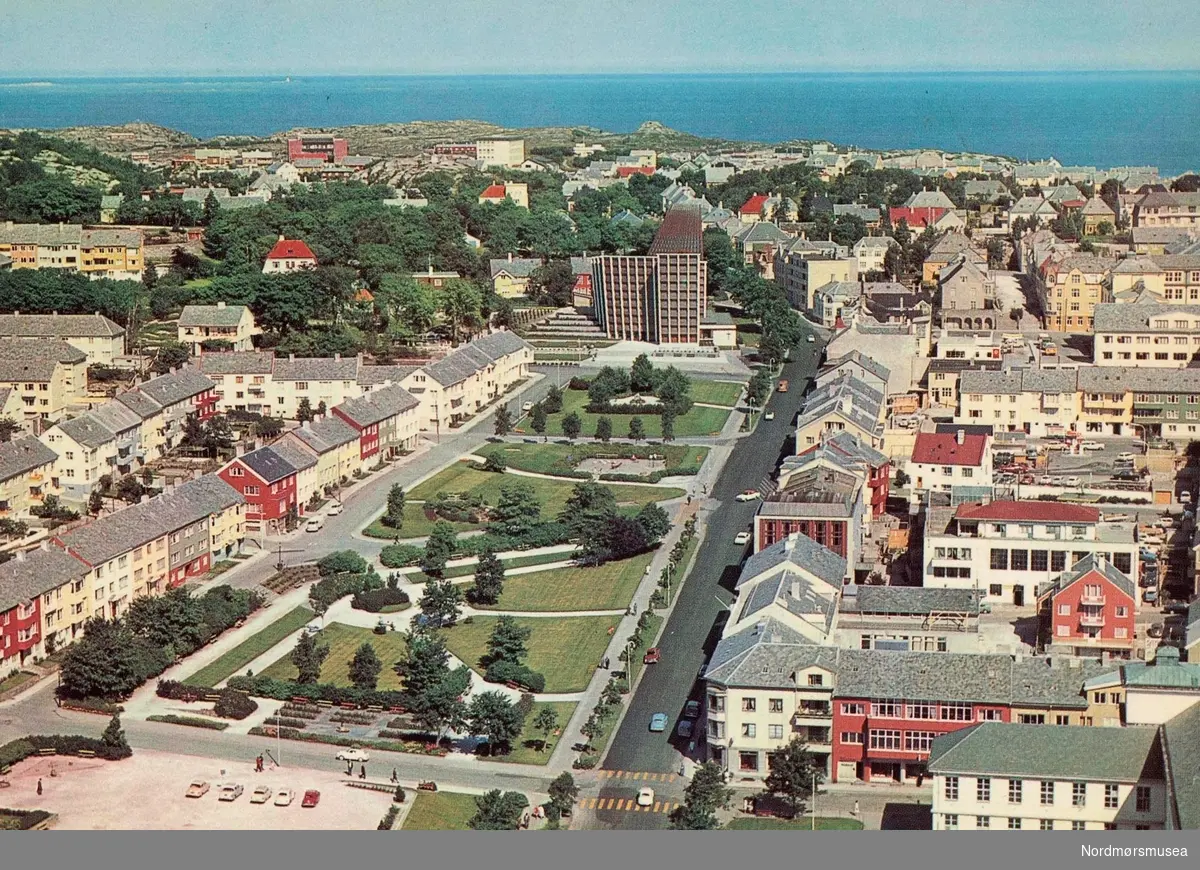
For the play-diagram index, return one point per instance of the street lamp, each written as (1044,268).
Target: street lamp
(629,664)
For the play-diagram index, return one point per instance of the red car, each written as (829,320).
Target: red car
(312,797)
(651,656)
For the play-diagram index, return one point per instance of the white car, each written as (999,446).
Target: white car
(527,407)
(353,754)
(770,415)
(261,795)
(1045,480)
(1072,481)
(748,495)
(315,524)
(284,797)
(231,791)
(1124,457)
(810,338)
(1092,445)
(334,509)
(742,538)
(645,797)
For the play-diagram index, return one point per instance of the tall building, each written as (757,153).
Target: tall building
(660,297)
(331,149)
(505,153)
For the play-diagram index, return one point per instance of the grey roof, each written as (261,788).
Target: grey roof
(1014,381)
(1181,750)
(211,315)
(462,363)
(762,231)
(908,600)
(111,238)
(1123,317)
(326,434)
(140,403)
(23,359)
(249,362)
(1193,624)
(1087,565)
(874,241)
(207,494)
(178,386)
(766,654)
(41,234)
(377,405)
(795,595)
(30,574)
(795,552)
(268,464)
(22,455)
(865,212)
(815,491)
(1114,379)
(316,368)
(875,368)
(950,246)
(297,455)
(929,199)
(374,375)
(498,345)
(1149,235)
(1099,208)
(1053,752)
(518,267)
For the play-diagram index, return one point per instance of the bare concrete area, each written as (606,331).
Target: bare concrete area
(622,466)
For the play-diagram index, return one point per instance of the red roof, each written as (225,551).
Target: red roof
(916,217)
(626,171)
(1028,511)
(291,249)
(495,191)
(942,448)
(754,205)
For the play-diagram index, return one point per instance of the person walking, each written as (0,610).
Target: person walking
(39,786)
(362,772)
(854,812)
(395,778)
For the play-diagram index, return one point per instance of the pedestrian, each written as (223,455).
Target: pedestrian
(349,768)
(362,772)
(395,778)
(854,812)
(39,785)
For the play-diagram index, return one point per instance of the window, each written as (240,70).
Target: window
(956,712)
(1032,719)
(814,680)
(1020,560)
(1047,793)
(749,729)
(983,789)
(749,705)
(922,710)
(1111,796)
(1046,825)
(1058,560)
(852,737)
(854,709)
(950,821)
(1142,796)
(995,589)
(951,788)
(1078,826)
(890,708)
(1062,719)
(748,760)
(775,732)
(885,739)
(301,385)
(1014,791)
(999,560)
(1014,824)
(1079,794)
(716,703)
(776,705)
(918,741)
(983,821)
(1064,610)
(1040,560)
(990,716)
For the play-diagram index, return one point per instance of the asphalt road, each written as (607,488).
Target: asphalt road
(695,624)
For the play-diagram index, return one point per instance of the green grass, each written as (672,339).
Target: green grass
(565,650)
(823,824)
(191,721)
(458,571)
(604,587)
(440,811)
(548,458)
(343,642)
(251,648)
(696,422)
(525,749)
(724,393)
(14,681)
(415,525)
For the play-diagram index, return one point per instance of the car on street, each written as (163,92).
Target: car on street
(1092,445)
(748,495)
(315,524)
(1056,481)
(770,415)
(658,722)
(260,795)
(231,791)
(652,656)
(1046,480)
(684,730)
(1150,596)
(1125,457)
(691,710)
(783,385)
(334,509)
(527,407)
(742,538)
(1072,481)
(645,797)
(353,754)
(1155,630)
(810,338)
(312,797)
(284,797)
(198,789)
(1176,608)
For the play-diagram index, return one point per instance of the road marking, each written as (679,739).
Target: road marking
(638,775)
(657,804)
(588,803)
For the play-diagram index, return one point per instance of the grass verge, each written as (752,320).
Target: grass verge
(251,648)
(440,811)
(343,641)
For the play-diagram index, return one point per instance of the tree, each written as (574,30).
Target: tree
(308,658)
(537,419)
(441,602)
(563,792)
(492,716)
(439,547)
(174,619)
(304,412)
(673,390)
(8,428)
(668,424)
(553,403)
(654,521)
(95,503)
(489,579)
(496,811)
(759,388)
(365,668)
(901,479)
(502,421)
(572,425)
(545,721)
(394,517)
(517,512)
(617,537)
(704,795)
(587,506)
(460,303)
(426,663)
(114,734)
(794,773)
(1015,313)
(553,283)
(604,430)
(104,663)
(268,428)
(170,355)
(211,207)
(508,641)
(642,375)
(218,437)
(636,430)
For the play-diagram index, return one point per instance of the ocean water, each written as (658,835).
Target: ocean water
(1098,119)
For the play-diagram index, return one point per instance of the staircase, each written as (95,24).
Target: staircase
(565,325)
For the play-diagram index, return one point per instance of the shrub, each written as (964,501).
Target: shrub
(374,600)
(285,690)
(495,462)
(177,691)
(234,705)
(286,722)
(334,587)
(342,562)
(296,712)
(578,383)
(63,744)
(389,818)
(585,762)
(93,705)
(524,704)
(192,721)
(506,672)
(401,555)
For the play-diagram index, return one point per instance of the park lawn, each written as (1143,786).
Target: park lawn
(696,422)
(548,458)
(14,681)
(603,587)
(565,650)
(343,642)
(724,393)
(460,571)
(824,823)
(416,525)
(525,749)
(465,477)
(440,811)
(251,648)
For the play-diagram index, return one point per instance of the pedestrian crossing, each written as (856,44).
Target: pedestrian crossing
(626,805)
(638,775)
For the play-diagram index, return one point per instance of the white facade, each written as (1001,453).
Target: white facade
(506,153)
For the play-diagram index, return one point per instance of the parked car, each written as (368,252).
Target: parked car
(658,722)
(231,791)
(1056,481)
(334,509)
(1092,445)
(1046,480)
(1072,482)
(1125,457)
(312,797)
(284,797)
(198,789)
(809,338)
(1155,630)
(645,797)
(783,386)
(684,729)
(260,795)
(1150,596)
(748,495)
(353,754)
(770,415)
(527,407)
(315,524)
(691,710)
(652,656)
(742,538)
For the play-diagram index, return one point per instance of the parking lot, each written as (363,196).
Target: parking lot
(146,792)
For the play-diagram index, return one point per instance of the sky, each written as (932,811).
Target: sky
(362,37)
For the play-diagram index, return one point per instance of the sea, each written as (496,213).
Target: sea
(1098,119)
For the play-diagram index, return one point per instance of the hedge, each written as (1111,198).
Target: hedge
(285,722)
(401,555)
(547,534)
(374,600)
(511,672)
(62,744)
(192,721)
(385,745)
(91,705)
(646,409)
(234,705)
(27,819)
(285,690)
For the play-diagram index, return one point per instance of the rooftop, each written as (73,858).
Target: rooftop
(681,232)
(291,249)
(30,574)
(23,359)
(1028,512)
(211,315)
(58,326)
(935,448)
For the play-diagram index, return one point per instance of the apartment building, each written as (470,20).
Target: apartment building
(101,340)
(1160,208)
(869,253)
(801,267)
(100,253)
(115,254)
(24,581)
(858,365)
(501,153)
(386,421)
(943,378)
(103,441)
(268,484)
(335,443)
(661,297)
(908,618)
(330,149)
(1149,693)
(823,504)
(842,404)
(1162,277)
(234,324)
(1072,288)
(951,248)
(1088,610)
(843,451)
(1146,334)
(1038,402)
(1010,549)
(941,461)
(46,376)
(26,476)
(968,295)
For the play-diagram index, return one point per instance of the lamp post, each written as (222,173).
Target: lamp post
(629,664)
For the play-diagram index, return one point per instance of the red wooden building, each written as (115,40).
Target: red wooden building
(268,483)
(1089,609)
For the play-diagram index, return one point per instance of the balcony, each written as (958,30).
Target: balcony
(1092,599)
(1092,620)
(814,714)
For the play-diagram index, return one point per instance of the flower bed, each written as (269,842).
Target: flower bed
(412,747)
(191,721)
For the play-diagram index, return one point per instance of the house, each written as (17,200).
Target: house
(869,216)
(510,275)
(950,248)
(1072,288)
(26,471)
(109,206)
(1146,334)
(887,302)
(844,403)
(498,193)
(824,504)
(322,147)
(967,296)
(1149,693)
(289,255)
(922,209)
(433,279)
(199,324)
(105,440)
(754,208)
(1039,402)
(985,191)
(1159,208)
(267,483)
(1096,214)
(336,445)
(858,365)
(843,451)
(101,340)
(386,421)
(1033,210)
(942,378)
(1089,609)
(25,581)
(1017,777)
(869,253)
(48,376)
(830,300)
(758,242)
(941,461)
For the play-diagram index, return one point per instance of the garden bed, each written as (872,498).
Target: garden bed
(248,650)
(191,721)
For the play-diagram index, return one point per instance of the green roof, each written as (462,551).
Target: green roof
(1181,738)
(1061,752)
(1165,672)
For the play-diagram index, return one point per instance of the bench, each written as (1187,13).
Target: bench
(86,753)
(325,704)
(48,750)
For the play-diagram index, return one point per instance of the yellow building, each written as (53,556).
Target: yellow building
(1074,286)
(335,444)
(220,322)
(26,466)
(103,253)
(116,254)
(94,334)
(48,376)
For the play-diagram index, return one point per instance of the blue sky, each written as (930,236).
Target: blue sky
(277,37)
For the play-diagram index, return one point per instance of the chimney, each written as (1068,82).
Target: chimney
(960,437)
(196,474)
(847,404)
(221,304)
(510,256)
(20,555)
(795,588)
(282,237)
(291,357)
(337,356)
